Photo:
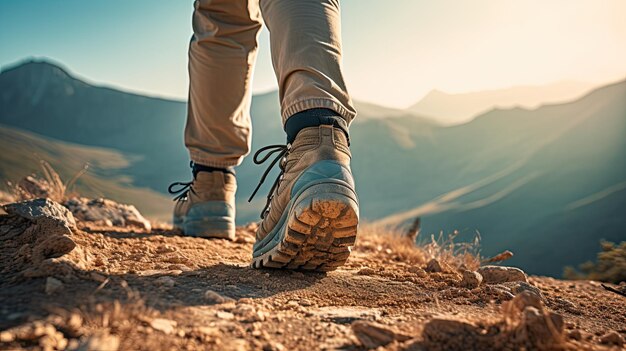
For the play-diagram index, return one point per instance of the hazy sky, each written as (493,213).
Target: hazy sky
(394,51)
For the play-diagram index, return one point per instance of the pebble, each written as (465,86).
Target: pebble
(519,287)
(366,271)
(612,338)
(163,325)
(53,285)
(100,341)
(500,274)
(417,271)
(372,335)
(224,315)
(433,266)
(575,335)
(471,279)
(166,282)
(215,298)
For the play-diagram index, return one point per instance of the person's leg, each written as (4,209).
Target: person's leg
(305,38)
(221,59)
(311,217)
(222,53)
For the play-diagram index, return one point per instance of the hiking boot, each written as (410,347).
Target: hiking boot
(205,207)
(312,212)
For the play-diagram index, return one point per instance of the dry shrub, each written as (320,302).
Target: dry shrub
(444,249)
(610,266)
(384,239)
(47,185)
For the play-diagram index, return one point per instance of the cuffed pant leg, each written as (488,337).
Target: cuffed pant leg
(305,37)
(222,54)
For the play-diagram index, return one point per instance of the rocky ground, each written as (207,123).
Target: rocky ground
(68,281)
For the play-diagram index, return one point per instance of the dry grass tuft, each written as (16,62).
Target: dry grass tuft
(443,248)
(384,239)
(48,185)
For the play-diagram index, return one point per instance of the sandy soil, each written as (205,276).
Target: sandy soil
(127,289)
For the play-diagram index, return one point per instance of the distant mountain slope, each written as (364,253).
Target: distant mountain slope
(44,98)
(528,180)
(547,183)
(451,109)
(22,152)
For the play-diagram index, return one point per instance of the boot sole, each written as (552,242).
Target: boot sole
(211,219)
(320,231)
(199,230)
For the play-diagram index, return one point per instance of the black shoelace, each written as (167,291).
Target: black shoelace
(184,189)
(281,152)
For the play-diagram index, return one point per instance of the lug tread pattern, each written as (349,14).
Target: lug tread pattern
(319,237)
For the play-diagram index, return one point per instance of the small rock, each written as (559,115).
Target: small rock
(37,209)
(366,271)
(225,315)
(97,277)
(215,298)
(612,338)
(53,285)
(6,336)
(449,334)
(6,198)
(498,274)
(101,340)
(433,266)
(567,305)
(166,282)
(417,271)
(526,299)
(471,279)
(163,325)
(519,287)
(73,325)
(372,335)
(536,325)
(207,330)
(106,211)
(575,335)
(305,302)
(273,347)
(248,313)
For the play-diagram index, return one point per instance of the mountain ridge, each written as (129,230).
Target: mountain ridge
(457,108)
(399,162)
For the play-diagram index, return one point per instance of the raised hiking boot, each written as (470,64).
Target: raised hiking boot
(312,212)
(205,207)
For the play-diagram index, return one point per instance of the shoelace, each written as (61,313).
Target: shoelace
(184,190)
(280,151)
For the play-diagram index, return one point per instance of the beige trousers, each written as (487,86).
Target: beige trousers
(305,40)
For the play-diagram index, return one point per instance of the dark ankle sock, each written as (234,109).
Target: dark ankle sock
(197,168)
(313,118)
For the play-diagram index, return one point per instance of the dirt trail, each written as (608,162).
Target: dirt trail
(127,289)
